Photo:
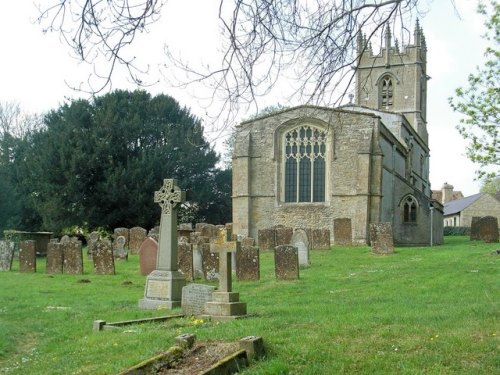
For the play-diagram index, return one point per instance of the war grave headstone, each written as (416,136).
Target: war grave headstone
(55,258)
(194,298)
(91,241)
(164,285)
(119,251)
(320,239)
(27,256)
(125,232)
(267,238)
(137,235)
(488,229)
(381,238)
(286,262)
(103,258)
(148,252)
(226,303)
(72,256)
(6,254)
(474,228)
(185,251)
(247,263)
(342,232)
(301,242)
(210,262)
(283,235)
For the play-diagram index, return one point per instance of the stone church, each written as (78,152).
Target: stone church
(368,161)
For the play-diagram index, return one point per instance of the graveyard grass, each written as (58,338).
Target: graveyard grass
(421,310)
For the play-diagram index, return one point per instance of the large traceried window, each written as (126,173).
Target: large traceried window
(305,165)
(386,92)
(409,206)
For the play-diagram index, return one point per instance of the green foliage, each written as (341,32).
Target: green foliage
(479,102)
(491,186)
(456,231)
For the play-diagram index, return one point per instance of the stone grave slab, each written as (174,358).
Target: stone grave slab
(301,242)
(55,260)
(72,257)
(6,255)
(209,230)
(474,228)
(186,260)
(27,256)
(194,298)
(283,236)
(381,238)
(248,263)
(124,232)
(210,263)
(119,251)
(342,232)
(104,261)
(184,230)
(91,241)
(148,252)
(286,262)
(267,238)
(488,229)
(320,239)
(247,241)
(137,235)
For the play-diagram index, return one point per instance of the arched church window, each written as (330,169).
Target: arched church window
(304,164)
(386,92)
(409,206)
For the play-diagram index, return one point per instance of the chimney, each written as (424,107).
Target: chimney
(447,193)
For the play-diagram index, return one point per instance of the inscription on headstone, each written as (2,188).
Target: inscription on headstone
(104,261)
(194,297)
(247,263)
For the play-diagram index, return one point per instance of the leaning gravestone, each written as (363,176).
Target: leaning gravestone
(137,235)
(120,252)
(267,238)
(104,261)
(342,232)
(148,252)
(320,239)
(27,256)
(210,263)
(283,236)
(186,259)
(6,255)
(381,238)
(194,297)
(301,242)
(488,229)
(73,259)
(247,263)
(122,232)
(54,258)
(286,262)
(474,228)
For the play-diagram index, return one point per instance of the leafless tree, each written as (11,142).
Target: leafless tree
(15,122)
(310,42)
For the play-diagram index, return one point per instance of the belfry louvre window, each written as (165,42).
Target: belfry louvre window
(410,210)
(386,93)
(305,154)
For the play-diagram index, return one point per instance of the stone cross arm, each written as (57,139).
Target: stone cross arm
(224,249)
(169,196)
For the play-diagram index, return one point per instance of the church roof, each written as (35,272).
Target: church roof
(458,205)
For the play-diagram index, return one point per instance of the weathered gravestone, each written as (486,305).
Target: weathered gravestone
(229,231)
(247,263)
(381,238)
(301,242)
(185,259)
(196,241)
(267,238)
(184,230)
(209,262)
(283,236)
(209,230)
(154,233)
(104,261)
(488,229)
(226,303)
(55,260)
(137,235)
(194,298)
(91,241)
(6,255)
(27,256)
(119,248)
(247,241)
(148,252)
(320,239)
(342,232)
(286,262)
(164,285)
(72,256)
(474,228)
(124,232)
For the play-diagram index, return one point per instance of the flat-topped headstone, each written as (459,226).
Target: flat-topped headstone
(247,263)
(164,285)
(286,262)
(148,252)
(6,255)
(488,229)
(104,261)
(283,235)
(27,256)
(72,257)
(124,232)
(194,298)
(342,232)
(320,239)
(55,258)
(186,259)
(137,235)
(381,238)
(267,238)
(119,248)
(301,242)
(184,230)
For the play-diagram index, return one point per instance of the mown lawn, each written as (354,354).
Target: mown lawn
(422,310)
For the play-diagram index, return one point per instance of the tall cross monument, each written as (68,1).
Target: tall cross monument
(164,285)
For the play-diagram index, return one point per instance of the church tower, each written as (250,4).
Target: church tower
(395,80)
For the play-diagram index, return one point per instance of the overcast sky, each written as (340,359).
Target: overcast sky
(35,68)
